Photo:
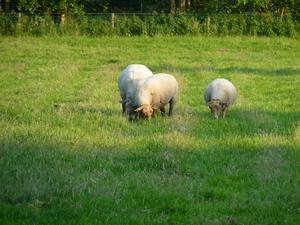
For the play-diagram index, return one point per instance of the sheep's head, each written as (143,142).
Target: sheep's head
(146,111)
(216,107)
(132,114)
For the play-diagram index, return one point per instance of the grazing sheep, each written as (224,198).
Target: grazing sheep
(132,92)
(156,92)
(127,81)
(219,95)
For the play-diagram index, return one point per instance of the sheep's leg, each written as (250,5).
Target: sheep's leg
(171,106)
(224,112)
(154,113)
(163,111)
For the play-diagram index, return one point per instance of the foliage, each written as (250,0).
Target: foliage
(188,17)
(154,24)
(198,6)
(53,6)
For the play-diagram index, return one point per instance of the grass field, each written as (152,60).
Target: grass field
(67,156)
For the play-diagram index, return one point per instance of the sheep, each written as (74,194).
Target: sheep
(132,92)
(219,95)
(127,81)
(154,93)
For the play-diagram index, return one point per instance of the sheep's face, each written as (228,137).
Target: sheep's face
(132,114)
(146,111)
(216,107)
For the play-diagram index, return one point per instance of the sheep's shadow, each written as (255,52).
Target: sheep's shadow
(246,123)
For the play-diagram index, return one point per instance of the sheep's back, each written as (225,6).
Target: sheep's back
(132,72)
(221,89)
(164,85)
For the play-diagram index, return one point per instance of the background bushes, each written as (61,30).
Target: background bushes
(263,24)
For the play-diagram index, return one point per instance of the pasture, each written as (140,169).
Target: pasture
(68,156)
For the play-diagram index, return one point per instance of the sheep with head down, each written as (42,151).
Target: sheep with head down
(128,81)
(219,95)
(154,93)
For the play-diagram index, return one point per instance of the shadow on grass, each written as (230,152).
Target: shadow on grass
(88,181)
(261,71)
(239,122)
(43,176)
(287,71)
(165,68)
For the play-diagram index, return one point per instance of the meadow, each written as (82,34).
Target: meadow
(68,156)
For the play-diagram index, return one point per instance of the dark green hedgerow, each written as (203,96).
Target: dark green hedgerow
(151,25)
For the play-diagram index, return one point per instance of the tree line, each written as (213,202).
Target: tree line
(81,7)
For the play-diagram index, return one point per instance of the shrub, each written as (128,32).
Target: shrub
(265,24)
(8,24)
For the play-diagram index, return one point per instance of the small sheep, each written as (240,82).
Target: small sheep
(126,82)
(219,95)
(156,92)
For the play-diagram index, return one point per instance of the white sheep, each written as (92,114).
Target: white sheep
(219,95)
(156,92)
(127,81)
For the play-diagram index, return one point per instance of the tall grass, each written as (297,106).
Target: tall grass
(151,25)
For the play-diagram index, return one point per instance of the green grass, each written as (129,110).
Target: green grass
(67,156)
